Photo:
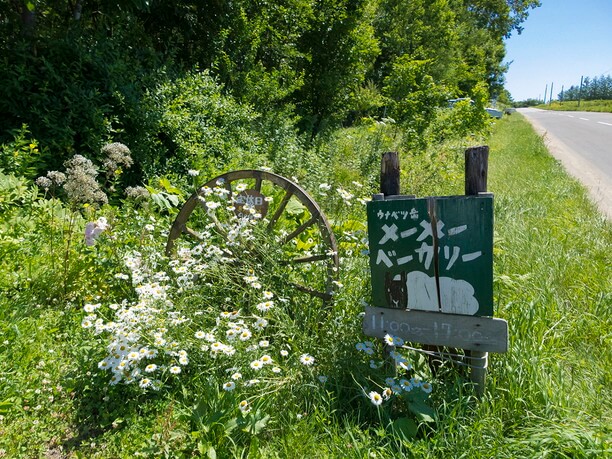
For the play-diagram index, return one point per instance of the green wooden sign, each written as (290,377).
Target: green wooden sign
(432,254)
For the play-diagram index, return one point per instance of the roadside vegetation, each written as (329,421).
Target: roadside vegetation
(114,116)
(585,106)
(298,380)
(591,95)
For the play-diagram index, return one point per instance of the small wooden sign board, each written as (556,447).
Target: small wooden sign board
(432,254)
(440,329)
(252,199)
(431,263)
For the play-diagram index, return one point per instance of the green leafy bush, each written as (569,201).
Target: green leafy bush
(190,124)
(20,156)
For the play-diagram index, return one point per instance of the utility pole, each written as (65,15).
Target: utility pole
(545,92)
(562,86)
(551,92)
(580,91)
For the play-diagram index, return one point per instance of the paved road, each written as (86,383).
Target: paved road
(582,141)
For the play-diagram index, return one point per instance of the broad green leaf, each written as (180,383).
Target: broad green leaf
(5,406)
(404,428)
(166,185)
(422,410)
(295,207)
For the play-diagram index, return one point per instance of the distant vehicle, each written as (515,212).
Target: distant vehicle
(494,112)
(491,111)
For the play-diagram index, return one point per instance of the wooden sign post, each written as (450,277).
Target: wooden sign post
(431,262)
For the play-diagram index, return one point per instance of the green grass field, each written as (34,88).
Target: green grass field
(550,396)
(585,106)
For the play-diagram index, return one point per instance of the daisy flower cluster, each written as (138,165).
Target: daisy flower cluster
(399,386)
(143,339)
(247,345)
(162,334)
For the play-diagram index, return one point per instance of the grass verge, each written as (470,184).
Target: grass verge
(549,396)
(584,106)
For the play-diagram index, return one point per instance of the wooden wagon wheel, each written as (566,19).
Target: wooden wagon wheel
(280,201)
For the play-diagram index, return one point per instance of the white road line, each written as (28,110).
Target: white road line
(570,116)
(607,124)
(585,119)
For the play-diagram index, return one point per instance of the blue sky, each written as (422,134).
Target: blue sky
(561,41)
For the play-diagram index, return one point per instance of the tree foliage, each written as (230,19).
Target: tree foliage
(79,74)
(596,88)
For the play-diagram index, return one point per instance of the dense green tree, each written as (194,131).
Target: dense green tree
(340,49)
(420,29)
(596,88)
(78,73)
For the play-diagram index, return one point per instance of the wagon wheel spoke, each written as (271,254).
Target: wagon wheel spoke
(300,229)
(280,210)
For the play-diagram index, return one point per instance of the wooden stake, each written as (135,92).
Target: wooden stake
(389,186)
(390,174)
(476,168)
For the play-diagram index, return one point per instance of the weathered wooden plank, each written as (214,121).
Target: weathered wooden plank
(476,172)
(473,333)
(390,174)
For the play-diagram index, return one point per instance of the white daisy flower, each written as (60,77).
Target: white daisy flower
(375,398)
(245,335)
(244,406)
(91,307)
(307,359)
(175,370)
(405,385)
(260,324)
(265,306)
(229,386)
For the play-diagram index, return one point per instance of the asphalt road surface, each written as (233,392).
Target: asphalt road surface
(582,141)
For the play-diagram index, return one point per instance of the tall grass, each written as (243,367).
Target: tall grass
(549,396)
